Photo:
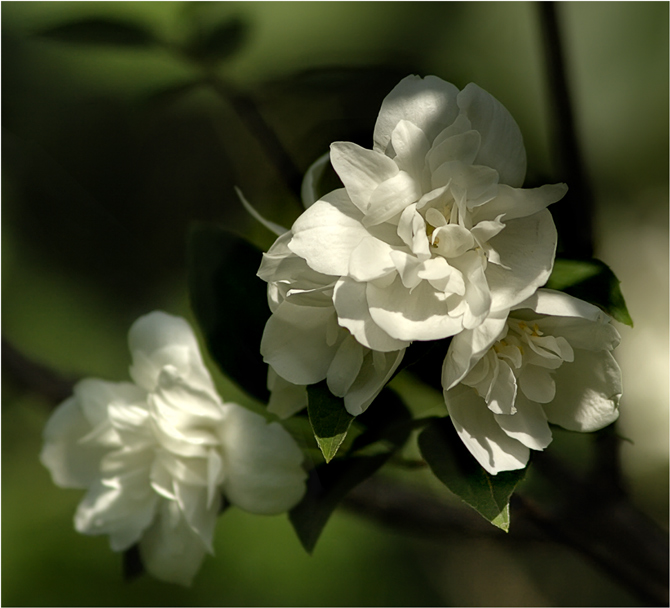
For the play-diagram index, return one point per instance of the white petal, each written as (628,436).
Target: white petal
(263,464)
(526,247)
(452,240)
(503,390)
(429,103)
(360,170)
(345,366)
(286,398)
(479,182)
(370,260)
(587,392)
(294,342)
(468,347)
(422,314)
(157,332)
(200,516)
(308,190)
(391,198)
(71,464)
(94,397)
(412,231)
(513,203)
(477,427)
(462,147)
(123,508)
(502,144)
(411,146)
(537,384)
(529,424)
(353,313)
(584,325)
(326,234)
(171,551)
(371,380)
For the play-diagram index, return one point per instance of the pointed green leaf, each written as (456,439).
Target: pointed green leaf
(100,31)
(593,281)
(456,468)
(330,420)
(230,303)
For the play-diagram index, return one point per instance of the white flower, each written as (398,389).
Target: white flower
(431,232)
(550,361)
(303,343)
(159,456)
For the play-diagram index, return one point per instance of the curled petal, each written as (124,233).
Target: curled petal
(429,103)
(295,342)
(360,170)
(528,425)
(422,314)
(502,144)
(345,367)
(326,234)
(477,427)
(376,371)
(587,392)
(526,248)
(353,313)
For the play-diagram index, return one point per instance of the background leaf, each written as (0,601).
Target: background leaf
(100,31)
(221,41)
(456,468)
(593,281)
(329,419)
(230,304)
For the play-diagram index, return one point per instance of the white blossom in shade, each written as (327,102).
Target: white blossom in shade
(431,233)
(550,361)
(158,456)
(303,343)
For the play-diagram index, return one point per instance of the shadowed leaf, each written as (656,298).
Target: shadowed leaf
(593,281)
(100,31)
(230,303)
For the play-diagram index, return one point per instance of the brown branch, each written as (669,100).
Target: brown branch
(33,377)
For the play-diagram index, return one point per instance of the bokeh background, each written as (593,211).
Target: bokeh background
(111,150)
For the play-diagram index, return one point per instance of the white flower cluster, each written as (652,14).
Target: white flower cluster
(160,456)
(432,236)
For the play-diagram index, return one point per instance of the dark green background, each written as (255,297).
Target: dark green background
(109,153)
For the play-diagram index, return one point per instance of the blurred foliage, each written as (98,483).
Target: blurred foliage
(112,151)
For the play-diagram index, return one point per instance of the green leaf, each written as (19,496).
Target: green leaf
(457,469)
(593,281)
(230,303)
(329,419)
(220,42)
(100,31)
